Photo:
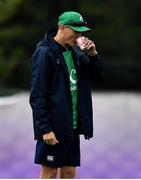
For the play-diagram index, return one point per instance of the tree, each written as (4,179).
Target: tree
(115,29)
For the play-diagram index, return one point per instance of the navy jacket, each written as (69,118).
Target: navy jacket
(50,96)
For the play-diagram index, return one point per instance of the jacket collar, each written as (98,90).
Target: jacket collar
(58,50)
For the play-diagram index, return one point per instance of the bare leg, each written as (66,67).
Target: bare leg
(48,172)
(67,172)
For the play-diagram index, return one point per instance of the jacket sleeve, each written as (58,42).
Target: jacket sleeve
(40,91)
(95,68)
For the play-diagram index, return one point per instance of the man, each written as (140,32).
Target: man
(61,96)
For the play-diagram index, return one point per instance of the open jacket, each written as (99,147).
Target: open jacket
(50,96)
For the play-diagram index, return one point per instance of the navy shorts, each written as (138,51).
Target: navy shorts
(65,153)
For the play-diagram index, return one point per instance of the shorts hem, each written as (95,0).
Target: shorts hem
(57,166)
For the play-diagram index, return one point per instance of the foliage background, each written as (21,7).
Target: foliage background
(116,30)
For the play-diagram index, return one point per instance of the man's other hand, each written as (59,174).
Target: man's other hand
(50,138)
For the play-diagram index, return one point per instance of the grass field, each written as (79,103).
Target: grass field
(114,152)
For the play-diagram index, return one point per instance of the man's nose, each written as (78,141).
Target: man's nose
(79,34)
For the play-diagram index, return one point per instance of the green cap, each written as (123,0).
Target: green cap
(74,21)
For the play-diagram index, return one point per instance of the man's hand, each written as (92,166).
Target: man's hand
(90,48)
(50,138)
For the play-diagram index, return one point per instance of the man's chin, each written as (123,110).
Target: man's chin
(73,44)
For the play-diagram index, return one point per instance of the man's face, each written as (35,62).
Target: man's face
(70,36)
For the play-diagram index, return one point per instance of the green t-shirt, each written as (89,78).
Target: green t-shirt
(73,85)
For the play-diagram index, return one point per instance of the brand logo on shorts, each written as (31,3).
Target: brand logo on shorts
(50,158)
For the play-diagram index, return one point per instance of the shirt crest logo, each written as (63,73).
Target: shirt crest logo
(73,76)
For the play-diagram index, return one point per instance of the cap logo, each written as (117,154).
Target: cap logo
(81,19)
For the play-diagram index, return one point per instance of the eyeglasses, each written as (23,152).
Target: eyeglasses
(77,24)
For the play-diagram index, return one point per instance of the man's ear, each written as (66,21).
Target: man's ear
(61,27)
